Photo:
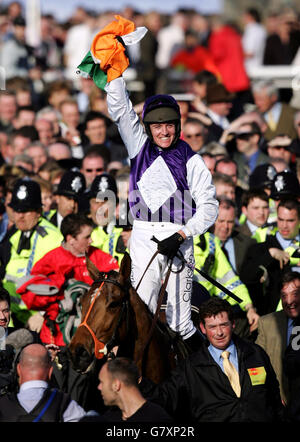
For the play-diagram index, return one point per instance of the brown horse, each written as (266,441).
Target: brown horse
(114,315)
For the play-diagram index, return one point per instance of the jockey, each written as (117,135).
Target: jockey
(50,279)
(171,195)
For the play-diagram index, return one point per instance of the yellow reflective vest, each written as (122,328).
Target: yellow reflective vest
(45,238)
(209,257)
(107,241)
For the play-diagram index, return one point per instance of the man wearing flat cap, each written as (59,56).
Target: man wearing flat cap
(71,186)
(219,104)
(281,147)
(248,154)
(32,238)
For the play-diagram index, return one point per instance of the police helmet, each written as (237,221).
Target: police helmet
(26,196)
(102,186)
(71,185)
(285,185)
(262,176)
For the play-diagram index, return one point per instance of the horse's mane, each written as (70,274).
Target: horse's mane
(162,326)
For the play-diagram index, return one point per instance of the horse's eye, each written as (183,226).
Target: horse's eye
(114,304)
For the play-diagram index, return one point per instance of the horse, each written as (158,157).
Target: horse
(113,315)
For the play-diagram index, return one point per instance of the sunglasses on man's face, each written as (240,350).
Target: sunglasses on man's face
(194,135)
(245,136)
(281,147)
(94,170)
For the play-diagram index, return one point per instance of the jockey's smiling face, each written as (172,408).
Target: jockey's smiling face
(163,134)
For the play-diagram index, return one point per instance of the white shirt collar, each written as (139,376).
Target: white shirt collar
(33,384)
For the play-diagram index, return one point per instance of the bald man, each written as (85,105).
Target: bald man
(36,401)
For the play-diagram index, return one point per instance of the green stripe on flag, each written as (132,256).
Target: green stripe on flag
(89,68)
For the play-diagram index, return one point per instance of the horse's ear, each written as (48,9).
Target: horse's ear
(125,267)
(92,269)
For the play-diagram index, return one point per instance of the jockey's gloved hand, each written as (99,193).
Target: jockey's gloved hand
(170,246)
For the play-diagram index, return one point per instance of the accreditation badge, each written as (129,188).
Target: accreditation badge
(257,375)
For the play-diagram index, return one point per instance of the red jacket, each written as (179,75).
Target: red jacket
(227,52)
(54,269)
(195,61)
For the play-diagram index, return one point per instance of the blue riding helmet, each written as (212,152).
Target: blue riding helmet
(161,109)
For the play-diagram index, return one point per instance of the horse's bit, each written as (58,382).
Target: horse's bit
(101,349)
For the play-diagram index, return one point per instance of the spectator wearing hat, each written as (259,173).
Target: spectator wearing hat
(64,268)
(281,147)
(266,261)
(248,154)
(219,104)
(70,188)
(32,238)
(285,185)
(200,83)
(104,200)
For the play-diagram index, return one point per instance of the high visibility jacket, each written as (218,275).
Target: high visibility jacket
(272,218)
(45,238)
(210,257)
(261,233)
(293,250)
(108,242)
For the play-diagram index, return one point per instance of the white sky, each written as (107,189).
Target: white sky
(62,9)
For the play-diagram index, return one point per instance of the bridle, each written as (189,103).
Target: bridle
(100,348)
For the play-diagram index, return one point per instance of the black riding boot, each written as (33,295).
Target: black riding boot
(193,342)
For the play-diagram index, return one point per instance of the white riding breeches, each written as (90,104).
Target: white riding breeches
(179,288)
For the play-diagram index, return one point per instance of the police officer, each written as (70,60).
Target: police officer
(107,235)
(32,238)
(70,188)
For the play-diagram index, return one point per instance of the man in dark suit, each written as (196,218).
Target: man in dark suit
(234,244)
(255,209)
(279,116)
(275,330)
(199,390)
(248,154)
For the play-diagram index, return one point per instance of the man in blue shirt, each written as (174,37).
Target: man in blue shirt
(201,389)
(35,401)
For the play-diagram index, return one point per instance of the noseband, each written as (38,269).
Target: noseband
(101,349)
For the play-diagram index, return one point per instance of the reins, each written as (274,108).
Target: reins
(101,349)
(99,346)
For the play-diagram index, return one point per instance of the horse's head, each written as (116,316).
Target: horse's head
(103,310)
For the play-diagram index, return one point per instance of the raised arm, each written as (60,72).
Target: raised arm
(122,113)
